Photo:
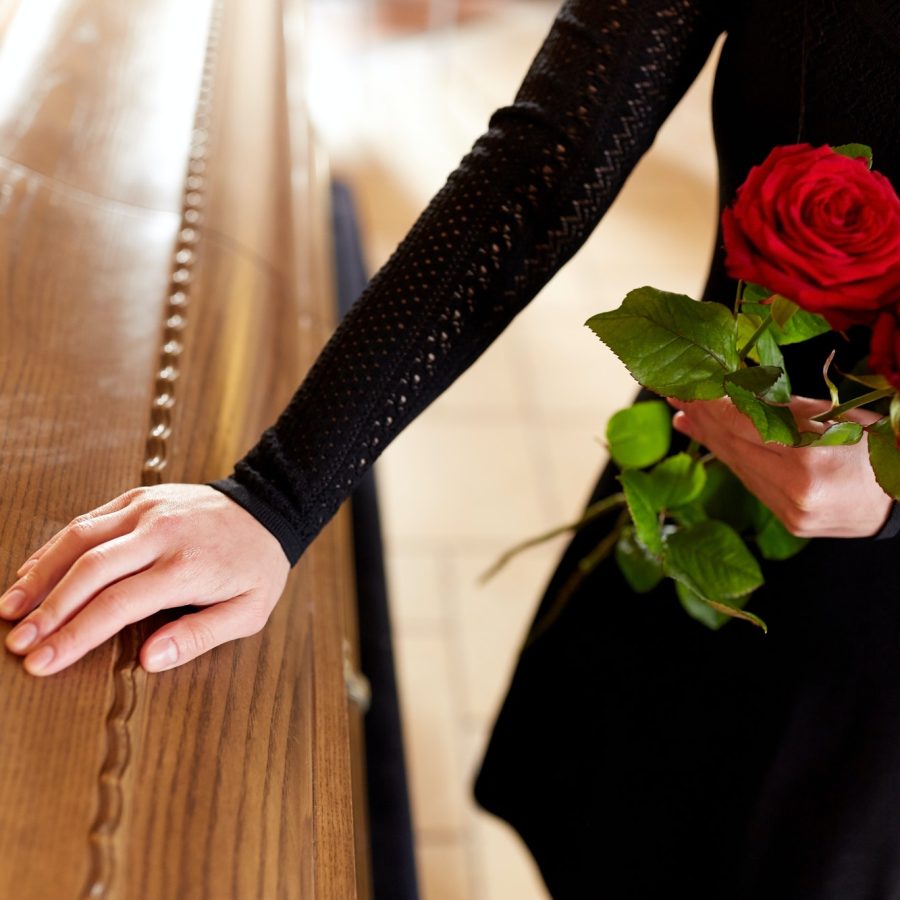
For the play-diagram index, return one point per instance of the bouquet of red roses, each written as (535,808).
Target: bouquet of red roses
(813,238)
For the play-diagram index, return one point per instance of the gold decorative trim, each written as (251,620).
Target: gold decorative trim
(181,279)
(118,755)
(118,747)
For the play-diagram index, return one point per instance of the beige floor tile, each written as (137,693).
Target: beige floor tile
(501,866)
(571,371)
(504,868)
(492,621)
(443,480)
(430,731)
(416,588)
(443,870)
(576,458)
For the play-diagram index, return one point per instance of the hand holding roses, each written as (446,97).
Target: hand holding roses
(814,491)
(813,241)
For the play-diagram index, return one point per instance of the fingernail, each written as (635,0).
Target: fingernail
(22,637)
(26,566)
(162,655)
(39,660)
(13,603)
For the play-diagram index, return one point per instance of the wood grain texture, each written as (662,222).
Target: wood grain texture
(165,263)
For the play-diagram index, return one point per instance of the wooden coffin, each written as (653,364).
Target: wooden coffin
(165,269)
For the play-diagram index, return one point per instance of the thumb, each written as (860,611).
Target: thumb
(196,633)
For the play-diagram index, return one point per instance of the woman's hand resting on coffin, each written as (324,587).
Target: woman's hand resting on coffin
(814,491)
(149,549)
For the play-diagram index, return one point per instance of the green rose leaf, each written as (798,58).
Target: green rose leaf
(644,516)
(801,326)
(756,379)
(746,326)
(671,344)
(772,538)
(640,569)
(726,498)
(855,151)
(782,310)
(894,415)
(640,435)
(755,293)
(875,382)
(675,481)
(689,513)
(735,612)
(704,611)
(838,435)
(775,424)
(769,355)
(713,561)
(885,457)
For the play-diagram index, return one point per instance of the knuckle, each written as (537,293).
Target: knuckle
(198,638)
(163,524)
(184,557)
(80,529)
(184,564)
(94,559)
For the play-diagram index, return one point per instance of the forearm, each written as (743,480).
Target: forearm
(519,205)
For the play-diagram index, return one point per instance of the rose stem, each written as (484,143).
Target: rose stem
(836,411)
(592,512)
(585,567)
(751,343)
(738,296)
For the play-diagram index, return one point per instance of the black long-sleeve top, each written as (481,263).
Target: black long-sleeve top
(638,754)
(530,192)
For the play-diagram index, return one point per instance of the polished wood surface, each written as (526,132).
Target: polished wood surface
(166,282)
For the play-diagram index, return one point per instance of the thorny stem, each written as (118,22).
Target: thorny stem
(594,511)
(836,411)
(585,567)
(751,341)
(738,296)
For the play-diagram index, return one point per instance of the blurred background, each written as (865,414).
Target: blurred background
(400,89)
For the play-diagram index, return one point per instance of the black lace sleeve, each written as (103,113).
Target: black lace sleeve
(519,205)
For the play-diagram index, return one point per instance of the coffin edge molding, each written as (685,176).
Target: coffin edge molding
(111,792)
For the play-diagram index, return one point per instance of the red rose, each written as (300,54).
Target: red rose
(885,348)
(820,229)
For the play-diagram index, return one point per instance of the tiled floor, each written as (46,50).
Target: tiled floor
(512,448)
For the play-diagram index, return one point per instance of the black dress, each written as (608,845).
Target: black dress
(638,754)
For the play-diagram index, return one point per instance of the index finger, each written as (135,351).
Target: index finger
(60,555)
(114,505)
